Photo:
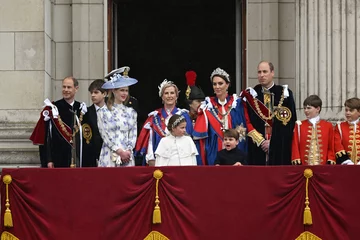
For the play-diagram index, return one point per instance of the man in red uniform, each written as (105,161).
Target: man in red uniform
(313,139)
(347,134)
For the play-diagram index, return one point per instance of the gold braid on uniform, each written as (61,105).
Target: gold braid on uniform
(271,115)
(340,153)
(296,162)
(257,137)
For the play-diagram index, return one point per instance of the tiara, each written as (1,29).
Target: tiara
(177,121)
(220,72)
(161,86)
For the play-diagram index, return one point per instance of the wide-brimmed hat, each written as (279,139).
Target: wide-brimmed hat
(119,78)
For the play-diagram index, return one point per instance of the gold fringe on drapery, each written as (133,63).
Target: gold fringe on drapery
(8,222)
(308,173)
(158,174)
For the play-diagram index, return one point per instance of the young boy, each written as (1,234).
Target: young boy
(346,135)
(231,155)
(92,141)
(313,139)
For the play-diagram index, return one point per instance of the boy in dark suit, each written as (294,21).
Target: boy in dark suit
(231,155)
(92,141)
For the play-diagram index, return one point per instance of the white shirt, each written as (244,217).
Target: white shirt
(314,120)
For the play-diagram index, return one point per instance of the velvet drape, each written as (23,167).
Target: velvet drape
(204,202)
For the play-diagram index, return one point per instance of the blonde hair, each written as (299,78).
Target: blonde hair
(111,99)
(167,85)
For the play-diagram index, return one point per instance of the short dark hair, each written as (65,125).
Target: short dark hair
(75,81)
(172,120)
(271,66)
(231,133)
(97,85)
(353,103)
(313,100)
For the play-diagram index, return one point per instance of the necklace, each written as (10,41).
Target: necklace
(271,114)
(223,115)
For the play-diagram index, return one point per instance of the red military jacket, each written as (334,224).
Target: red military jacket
(313,146)
(347,142)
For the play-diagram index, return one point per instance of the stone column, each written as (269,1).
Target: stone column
(271,37)
(327,53)
(88,43)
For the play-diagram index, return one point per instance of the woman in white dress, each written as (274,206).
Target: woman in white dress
(117,124)
(176,149)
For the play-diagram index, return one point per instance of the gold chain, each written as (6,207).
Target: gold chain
(222,114)
(271,115)
(76,127)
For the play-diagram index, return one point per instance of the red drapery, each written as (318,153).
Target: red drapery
(196,203)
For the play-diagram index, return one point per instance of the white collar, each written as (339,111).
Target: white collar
(97,107)
(267,89)
(354,122)
(222,103)
(314,120)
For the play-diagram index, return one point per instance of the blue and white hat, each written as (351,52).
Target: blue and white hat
(119,78)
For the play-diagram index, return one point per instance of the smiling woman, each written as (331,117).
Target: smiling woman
(155,127)
(218,114)
(117,123)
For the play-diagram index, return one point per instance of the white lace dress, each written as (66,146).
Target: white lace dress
(118,129)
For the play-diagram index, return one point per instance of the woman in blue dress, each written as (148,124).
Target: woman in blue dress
(218,113)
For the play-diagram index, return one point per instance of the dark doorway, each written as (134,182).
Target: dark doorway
(165,38)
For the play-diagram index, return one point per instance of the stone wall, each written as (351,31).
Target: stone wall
(41,42)
(327,53)
(313,45)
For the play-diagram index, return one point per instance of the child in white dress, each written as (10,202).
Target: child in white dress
(176,149)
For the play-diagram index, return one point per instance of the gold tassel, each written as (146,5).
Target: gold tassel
(308,173)
(158,174)
(8,222)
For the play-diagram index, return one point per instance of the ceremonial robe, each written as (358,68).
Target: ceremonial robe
(154,129)
(281,124)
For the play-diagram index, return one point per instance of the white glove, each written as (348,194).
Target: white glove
(116,158)
(347,162)
(358,163)
(83,108)
(55,111)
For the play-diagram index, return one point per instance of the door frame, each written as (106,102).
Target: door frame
(111,48)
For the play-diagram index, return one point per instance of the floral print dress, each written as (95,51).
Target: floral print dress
(118,129)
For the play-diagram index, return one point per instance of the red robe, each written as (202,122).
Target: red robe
(345,146)
(321,152)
